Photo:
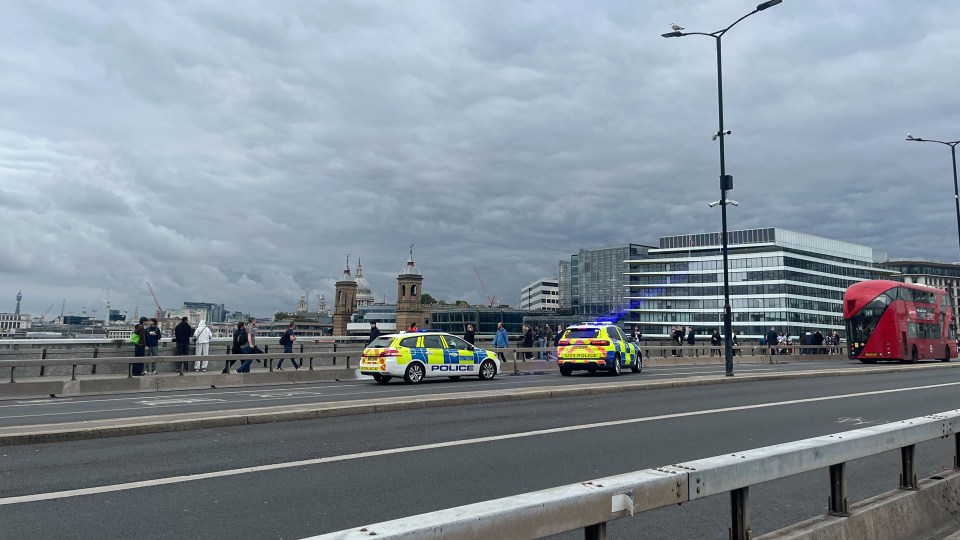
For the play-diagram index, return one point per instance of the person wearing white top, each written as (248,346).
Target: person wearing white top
(203,336)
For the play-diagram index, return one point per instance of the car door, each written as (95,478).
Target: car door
(436,355)
(460,352)
(627,350)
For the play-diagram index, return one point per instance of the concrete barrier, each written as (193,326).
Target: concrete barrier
(894,515)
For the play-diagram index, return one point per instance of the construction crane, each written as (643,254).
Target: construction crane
(44,316)
(155,301)
(491,299)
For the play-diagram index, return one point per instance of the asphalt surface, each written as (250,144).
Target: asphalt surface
(23,412)
(377,467)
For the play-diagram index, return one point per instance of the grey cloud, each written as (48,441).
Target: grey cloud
(235,153)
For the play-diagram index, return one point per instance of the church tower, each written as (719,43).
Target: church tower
(345,303)
(302,304)
(409,291)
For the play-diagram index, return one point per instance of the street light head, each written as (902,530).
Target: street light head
(768,4)
(672,34)
(912,138)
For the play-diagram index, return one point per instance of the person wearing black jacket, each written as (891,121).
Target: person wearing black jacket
(181,336)
(715,341)
(374,332)
(239,340)
(772,340)
(528,341)
(469,335)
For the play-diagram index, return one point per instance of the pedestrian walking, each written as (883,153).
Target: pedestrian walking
(636,335)
(250,347)
(374,332)
(289,336)
(558,335)
(469,336)
(203,335)
(412,327)
(501,341)
(239,340)
(181,336)
(152,341)
(715,341)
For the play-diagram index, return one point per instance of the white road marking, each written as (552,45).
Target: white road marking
(7,501)
(177,401)
(366,393)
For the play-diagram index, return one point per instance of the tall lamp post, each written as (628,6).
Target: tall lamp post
(726,182)
(953,154)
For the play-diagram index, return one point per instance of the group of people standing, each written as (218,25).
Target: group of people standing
(146,341)
(810,342)
(146,337)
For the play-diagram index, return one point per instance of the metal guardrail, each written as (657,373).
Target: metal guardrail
(304,357)
(590,505)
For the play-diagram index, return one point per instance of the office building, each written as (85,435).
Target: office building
(789,280)
(542,294)
(598,281)
(215,312)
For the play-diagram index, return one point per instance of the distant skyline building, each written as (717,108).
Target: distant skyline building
(785,279)
(215,312)
(542,294)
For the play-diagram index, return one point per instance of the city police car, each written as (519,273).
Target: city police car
(593,346)
(416,356)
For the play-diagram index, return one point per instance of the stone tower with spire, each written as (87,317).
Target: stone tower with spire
(409,291)
(302,303)
(19,298)
(345,301)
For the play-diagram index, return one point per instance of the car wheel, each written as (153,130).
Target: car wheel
(615,368)
(637,367)
(382,379)
(414,373)
(457,378)
(566,371)
(488,370)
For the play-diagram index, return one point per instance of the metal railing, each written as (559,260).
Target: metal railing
(591,505)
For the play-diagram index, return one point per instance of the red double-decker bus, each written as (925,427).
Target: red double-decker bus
(888,320)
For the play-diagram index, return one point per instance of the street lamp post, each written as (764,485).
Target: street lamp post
(953,154)
(726,182)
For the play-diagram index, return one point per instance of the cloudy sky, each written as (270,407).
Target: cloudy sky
(236,152)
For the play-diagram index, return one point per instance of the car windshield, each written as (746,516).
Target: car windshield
(581,333)
(380,343)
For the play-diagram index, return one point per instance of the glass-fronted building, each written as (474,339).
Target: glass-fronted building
(789,280)
(598,281)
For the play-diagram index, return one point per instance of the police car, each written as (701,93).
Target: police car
(416,356)
(594,347)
